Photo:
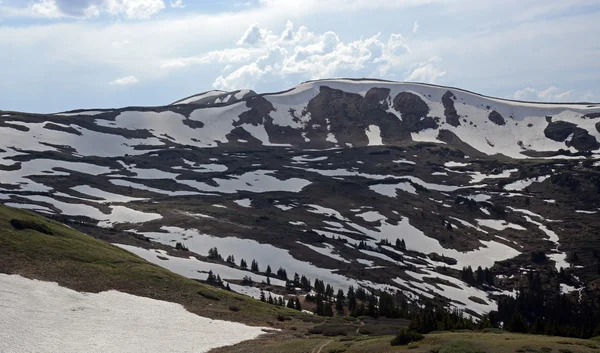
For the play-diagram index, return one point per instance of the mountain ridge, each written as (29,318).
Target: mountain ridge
(328,180)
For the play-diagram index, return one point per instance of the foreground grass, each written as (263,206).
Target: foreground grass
(443,342)
(80,262)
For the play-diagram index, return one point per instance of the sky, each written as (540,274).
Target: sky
(58,55)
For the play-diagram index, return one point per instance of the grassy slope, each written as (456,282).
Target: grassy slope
(82,263)
(445,342)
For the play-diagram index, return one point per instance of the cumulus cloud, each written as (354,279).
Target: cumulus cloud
(252,36)
(426,71)
(551,94)
(297,54)
(123,81)
(288,33)
(130,9)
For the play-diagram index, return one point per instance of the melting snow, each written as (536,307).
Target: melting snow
(328,250)
(522,184)
(498,224)
(44,317)
(374,135)
(244,203)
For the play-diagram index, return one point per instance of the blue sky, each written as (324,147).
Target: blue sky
(58,55)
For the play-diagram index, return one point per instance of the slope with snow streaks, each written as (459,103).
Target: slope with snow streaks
(326,180)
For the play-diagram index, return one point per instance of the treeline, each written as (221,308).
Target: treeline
(537,311)
(356,301)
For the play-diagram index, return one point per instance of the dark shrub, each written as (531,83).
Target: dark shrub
(405,337)
(20,224)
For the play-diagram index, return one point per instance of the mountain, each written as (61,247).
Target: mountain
(394,187)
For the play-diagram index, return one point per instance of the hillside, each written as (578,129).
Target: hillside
(391,187)
(56,253)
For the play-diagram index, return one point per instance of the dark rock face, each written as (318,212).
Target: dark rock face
(581,140)
(559,130)
(598,126)
(194,124)
(414,112)
(348,115)
(496,118)
(410,104)
(452,117)
(592,116)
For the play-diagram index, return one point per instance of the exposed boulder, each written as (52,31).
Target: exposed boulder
(496,118)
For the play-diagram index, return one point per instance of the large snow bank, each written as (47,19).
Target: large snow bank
(43,317)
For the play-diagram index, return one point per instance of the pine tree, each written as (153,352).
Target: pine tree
(213,254)
(290,303)
(254,266)
(262,296)
(297,304)
(339,301)
(281,273)
(243,264)
(268,271)
(211,279)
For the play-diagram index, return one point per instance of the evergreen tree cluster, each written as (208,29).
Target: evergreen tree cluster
(536,311)
(293,303)
(181,246)
(479,277)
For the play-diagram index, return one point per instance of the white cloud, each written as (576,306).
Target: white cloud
(550,94)
(288,33)
(426,71)
(134,9)
(302,54)
(45,8)
(127,80)
(130,9)
(178,4)
(252,35)
(588,97)
(233,55)
(415,27)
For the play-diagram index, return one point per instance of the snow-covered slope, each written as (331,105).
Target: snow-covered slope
(41,317)
(330,113)
(323,179)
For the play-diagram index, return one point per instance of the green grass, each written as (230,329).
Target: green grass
(82,263)
(442,342)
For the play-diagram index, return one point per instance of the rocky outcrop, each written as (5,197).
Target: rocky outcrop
(452,117)
(573,136)
(559,130)
(496,118)
(410,104)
